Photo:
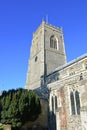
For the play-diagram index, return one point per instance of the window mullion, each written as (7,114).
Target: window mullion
(75,104)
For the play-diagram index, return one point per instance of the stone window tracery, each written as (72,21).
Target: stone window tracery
(53,42)
(71,72)
(75,102)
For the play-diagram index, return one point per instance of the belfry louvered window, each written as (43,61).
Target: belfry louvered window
(53,42)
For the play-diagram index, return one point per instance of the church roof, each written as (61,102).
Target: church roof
(69,63)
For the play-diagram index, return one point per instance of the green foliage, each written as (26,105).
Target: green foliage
(19,106)
(1,127)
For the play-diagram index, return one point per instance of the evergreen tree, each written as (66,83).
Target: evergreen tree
(19,106)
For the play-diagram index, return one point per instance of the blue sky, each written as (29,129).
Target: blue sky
(20,18)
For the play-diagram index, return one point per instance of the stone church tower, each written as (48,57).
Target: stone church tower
(64,85)
(47,53)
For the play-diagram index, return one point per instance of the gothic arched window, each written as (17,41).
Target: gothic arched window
(72,103)
(56,105)
(53,42)
(77,102)
(52,104)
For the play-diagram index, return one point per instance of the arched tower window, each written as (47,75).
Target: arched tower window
(52,104)
(77,102)
(53,42)
(72,103)
(56,105)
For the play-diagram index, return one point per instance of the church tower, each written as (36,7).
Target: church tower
(47,53)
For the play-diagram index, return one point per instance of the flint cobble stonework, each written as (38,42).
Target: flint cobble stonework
(63,84)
